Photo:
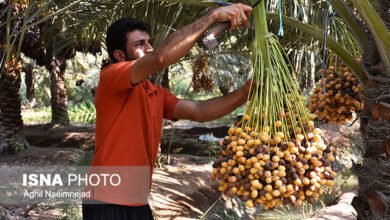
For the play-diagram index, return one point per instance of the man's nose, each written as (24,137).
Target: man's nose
(149,47)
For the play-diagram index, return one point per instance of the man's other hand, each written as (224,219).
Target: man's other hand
(249,86)
(236,14)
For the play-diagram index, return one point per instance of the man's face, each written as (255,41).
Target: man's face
(138,44)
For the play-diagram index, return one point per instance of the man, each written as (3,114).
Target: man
(130,110)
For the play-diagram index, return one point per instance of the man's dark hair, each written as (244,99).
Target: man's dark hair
(116,34)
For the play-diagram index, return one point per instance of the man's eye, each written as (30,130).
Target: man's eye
(138,44)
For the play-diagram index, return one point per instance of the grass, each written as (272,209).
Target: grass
(69,211)
(41,115)
(83,157)
(77,113)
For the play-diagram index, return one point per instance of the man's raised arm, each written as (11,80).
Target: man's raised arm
(178,44)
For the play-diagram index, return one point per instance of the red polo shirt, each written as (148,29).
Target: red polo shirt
(129,127)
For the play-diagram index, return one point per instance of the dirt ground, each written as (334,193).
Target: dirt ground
(180,190)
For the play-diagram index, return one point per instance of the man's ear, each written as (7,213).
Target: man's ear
(119,55)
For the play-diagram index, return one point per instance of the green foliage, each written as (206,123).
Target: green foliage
(42,115)
(177,150)
(180,79)
(41,85)
(18,142)
(231,70)
(84,112)
(84,67)
(213,147)
(83,157)
(181,83)
(339,32)
(69,212)
(345,181)
(16,25)
(235,210)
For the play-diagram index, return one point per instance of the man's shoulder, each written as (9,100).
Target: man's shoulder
(117,66)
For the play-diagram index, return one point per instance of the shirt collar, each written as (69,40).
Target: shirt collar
(150,88)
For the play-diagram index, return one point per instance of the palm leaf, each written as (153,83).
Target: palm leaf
(14,38)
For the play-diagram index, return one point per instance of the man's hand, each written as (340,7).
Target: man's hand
(235,14)
(249,86)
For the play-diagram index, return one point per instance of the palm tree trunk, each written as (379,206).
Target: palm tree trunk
(373,200)
(59,102)
(165,79)
(30,81)
(12,139)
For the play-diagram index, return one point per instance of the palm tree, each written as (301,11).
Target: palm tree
(59,110)
(56,65)
(11,123)
(53,55)
(29,80)
(18,29)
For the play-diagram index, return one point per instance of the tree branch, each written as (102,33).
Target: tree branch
(377,28)
(349,60)
(354,24)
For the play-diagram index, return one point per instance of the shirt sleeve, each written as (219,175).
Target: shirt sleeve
(116,77)
(170,102)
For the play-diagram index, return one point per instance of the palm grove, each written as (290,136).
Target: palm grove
(50,32)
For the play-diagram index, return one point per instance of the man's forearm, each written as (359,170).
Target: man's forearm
(178,44)
(217,107)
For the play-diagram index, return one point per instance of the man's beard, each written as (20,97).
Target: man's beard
(128,58)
